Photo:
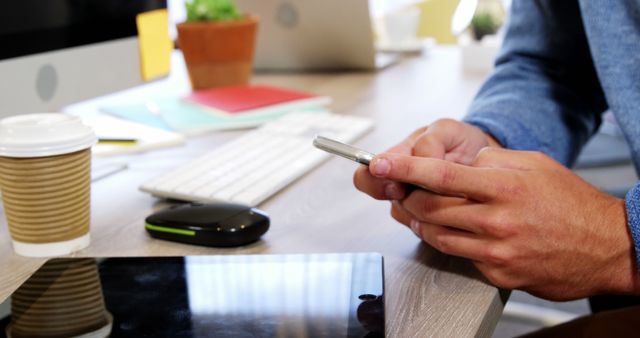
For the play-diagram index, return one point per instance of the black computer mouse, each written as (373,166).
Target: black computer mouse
(216,224)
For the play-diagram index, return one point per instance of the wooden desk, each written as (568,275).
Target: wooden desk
(427,293)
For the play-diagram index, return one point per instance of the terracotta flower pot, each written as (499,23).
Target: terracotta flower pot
(218,53)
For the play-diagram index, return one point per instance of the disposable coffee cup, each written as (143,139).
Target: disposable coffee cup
(62,299)
(45,176)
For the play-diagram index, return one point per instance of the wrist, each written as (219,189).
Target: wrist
(492,142)
(622,276)
(489,139)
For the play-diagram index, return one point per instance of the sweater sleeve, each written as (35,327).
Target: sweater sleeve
(544,92)
(633,218)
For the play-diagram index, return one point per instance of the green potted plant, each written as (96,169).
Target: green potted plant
(217,43)
(483,24)
(480,47)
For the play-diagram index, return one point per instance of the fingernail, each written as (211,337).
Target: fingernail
(415,226)
(380,166)
(392,191)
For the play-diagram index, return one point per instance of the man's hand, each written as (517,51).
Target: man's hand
(526,221)
(444,139)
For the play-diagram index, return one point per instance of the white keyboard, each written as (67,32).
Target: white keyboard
(253,167)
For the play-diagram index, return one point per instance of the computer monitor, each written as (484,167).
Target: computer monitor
(56,52)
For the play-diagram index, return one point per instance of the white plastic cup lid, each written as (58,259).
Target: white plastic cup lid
(43,134)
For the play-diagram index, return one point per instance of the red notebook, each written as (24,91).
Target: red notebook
(254,98)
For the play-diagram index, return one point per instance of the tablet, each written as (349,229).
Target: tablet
(311,295)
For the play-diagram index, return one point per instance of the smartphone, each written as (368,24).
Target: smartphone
(344,150)
(350,152)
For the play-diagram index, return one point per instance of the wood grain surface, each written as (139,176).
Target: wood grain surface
(427,293)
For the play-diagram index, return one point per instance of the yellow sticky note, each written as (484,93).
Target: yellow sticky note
(154,43)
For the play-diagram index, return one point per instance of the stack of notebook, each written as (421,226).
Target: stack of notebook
(219,108)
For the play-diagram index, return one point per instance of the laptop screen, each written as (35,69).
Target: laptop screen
(318,295)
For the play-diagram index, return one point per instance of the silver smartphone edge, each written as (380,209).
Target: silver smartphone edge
(341,149)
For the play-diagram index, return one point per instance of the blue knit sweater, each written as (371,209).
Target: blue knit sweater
(562,64)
